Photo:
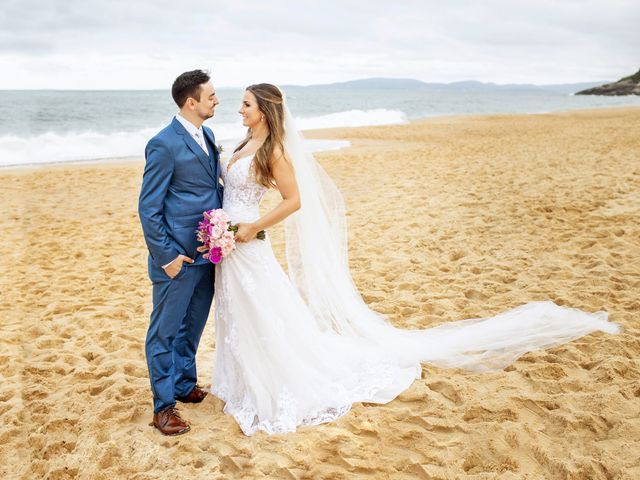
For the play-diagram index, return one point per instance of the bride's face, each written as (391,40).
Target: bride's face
(251,114)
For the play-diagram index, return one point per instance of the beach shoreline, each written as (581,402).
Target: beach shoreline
(323,134)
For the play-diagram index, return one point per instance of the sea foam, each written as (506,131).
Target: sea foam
(52,147)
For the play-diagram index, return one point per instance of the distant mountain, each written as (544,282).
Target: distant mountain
(625,86)
(467,85)
(381,83)
(472,85)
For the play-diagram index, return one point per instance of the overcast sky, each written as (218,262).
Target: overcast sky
(145,43)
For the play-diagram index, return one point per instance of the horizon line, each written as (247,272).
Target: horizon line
(311,85)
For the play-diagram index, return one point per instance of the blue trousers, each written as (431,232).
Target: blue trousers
(180,310)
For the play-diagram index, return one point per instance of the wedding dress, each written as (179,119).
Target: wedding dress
(300,349)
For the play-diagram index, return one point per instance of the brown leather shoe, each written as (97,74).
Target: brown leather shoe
(169,422)
(195,396)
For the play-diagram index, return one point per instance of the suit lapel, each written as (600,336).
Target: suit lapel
(215,160)
(194,147)
(213,152)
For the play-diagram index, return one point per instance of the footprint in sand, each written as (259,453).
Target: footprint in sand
(481,414)
(447,390)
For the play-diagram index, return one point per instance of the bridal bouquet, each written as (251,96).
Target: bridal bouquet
(217,234)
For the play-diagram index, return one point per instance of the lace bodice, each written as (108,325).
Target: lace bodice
(242,194)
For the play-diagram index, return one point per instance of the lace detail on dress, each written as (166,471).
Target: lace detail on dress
(288,416)
(248,283)
(242,194)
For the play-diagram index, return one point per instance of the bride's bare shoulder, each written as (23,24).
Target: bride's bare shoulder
(278,155)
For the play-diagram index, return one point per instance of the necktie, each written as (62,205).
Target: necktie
(200,141)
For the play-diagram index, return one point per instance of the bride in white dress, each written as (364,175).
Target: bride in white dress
(301,349)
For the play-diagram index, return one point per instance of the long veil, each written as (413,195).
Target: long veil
(317,257)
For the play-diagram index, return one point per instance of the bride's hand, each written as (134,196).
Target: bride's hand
(246,232)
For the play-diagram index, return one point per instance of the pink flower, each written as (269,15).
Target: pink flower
(218,216)
(216,231)
(215,255)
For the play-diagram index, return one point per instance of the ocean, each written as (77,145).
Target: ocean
(51,126)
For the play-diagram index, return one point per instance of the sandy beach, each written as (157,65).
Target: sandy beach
(450,218)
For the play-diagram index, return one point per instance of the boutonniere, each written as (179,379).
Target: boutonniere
(220,149)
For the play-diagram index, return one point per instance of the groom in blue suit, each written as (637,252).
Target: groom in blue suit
(180,181)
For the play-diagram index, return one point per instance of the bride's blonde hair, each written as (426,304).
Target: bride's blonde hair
(270,100)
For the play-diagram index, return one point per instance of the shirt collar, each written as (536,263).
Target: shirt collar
(190,127)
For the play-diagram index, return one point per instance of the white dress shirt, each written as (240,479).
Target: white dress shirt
(198,136)
(196,133)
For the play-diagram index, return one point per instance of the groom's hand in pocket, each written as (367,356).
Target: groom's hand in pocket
(174,267)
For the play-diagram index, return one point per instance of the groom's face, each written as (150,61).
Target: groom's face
(208,101)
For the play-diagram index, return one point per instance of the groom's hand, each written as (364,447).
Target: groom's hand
(174,267)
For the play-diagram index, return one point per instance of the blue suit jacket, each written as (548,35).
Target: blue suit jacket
(179,183)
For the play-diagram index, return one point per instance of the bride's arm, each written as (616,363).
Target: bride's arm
(286,181)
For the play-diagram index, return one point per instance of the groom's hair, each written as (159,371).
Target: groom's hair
(188,85)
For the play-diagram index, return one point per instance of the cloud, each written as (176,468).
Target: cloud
(144,44)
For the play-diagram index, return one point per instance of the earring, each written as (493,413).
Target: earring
(262,118)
